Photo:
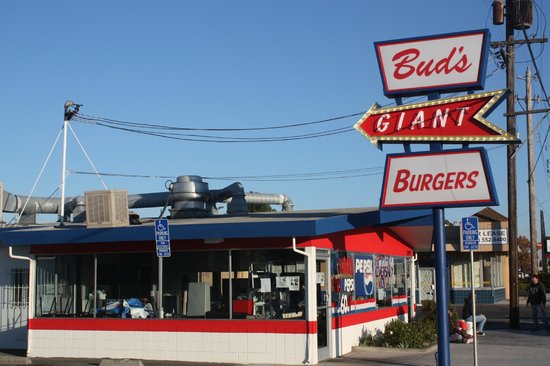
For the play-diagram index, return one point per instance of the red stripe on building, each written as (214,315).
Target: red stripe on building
(367,316)
(166,325)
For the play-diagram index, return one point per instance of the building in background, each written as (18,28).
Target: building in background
(491,266)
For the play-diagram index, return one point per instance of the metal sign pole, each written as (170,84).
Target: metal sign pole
(159,300)
(474,325)
(442,288)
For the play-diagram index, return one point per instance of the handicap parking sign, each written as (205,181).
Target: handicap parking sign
(162,238)
(470,233)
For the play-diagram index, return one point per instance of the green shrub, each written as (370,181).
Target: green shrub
(429,310)
(398,334)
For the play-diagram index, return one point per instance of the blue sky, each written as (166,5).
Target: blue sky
(227,64)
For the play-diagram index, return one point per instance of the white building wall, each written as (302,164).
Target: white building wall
(13,313)
(345,338)
(258,348)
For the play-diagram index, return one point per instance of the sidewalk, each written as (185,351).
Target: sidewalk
(501,346)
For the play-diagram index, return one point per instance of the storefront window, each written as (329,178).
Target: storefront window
(385,279)
(496,272)
(400,277)
(342,281)
(64,286)
(265,284)
(268,284)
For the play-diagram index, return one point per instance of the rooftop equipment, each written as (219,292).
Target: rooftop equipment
(188,197)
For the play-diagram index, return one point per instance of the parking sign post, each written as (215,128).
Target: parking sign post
(162,240)
(470,241)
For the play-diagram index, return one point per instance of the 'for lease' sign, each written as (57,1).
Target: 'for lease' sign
(438,179)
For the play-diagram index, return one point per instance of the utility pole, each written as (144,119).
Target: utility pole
(70,110)
(511,163)
(531,174)
(543,242)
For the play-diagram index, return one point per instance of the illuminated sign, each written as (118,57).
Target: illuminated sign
(438,179)
(451,120)
(445,62)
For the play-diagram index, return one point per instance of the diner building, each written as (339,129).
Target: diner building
(281,287)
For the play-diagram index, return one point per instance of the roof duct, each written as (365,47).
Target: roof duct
(189,196)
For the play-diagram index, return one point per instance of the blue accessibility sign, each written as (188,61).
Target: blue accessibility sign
(162,238)
(470,233)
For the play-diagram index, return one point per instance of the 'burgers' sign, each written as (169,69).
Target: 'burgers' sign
(438,179)
(446,62)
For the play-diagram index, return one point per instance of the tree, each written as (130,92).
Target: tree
(259,207)
(524,254)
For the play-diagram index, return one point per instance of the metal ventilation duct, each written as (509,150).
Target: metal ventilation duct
(189,196)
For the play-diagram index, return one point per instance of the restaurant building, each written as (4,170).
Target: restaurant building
(287,287)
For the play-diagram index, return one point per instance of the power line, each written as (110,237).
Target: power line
(173,128)
(326,175)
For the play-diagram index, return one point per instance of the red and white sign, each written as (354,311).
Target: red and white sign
(452,120)
(438,179)
(454,61)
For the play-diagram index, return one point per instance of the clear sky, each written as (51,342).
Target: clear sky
(230,64)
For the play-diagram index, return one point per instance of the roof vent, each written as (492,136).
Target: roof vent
(107,208)
(188,196)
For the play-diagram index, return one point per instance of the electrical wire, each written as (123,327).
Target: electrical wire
(84,117)
(234,139)
(326,175)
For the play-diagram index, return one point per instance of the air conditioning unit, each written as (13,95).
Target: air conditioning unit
(107,208)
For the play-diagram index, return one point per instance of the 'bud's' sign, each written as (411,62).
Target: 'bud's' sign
(438,179)
(446,62)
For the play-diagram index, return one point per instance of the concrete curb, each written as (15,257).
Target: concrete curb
(120,362)
(14,360)
(393,350)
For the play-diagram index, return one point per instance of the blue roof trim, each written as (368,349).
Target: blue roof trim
(337,222)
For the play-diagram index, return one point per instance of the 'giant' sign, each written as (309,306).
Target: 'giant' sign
(451,62)
(438,179)
(451,120)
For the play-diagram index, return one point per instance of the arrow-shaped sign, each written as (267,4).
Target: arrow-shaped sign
(451,120)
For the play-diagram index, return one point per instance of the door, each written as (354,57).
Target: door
(426,283)
(324,309)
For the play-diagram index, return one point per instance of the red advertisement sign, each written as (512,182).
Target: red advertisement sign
(451,62)
(452,120)
(438,179)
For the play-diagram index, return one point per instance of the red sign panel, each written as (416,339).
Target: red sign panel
(452,120)
(438,179)
(451,62)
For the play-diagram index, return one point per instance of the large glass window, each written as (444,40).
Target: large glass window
(268,284)
(385,279)
(400,278)
(361,281)
(64,286)
(201,284)
(487,270)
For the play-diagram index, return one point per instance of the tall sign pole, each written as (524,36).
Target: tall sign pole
(511,163)
(454,62)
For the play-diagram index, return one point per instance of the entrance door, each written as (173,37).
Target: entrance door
(324,309)
(426,283)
